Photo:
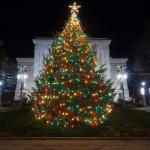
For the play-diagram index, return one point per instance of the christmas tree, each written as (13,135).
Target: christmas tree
(70,90)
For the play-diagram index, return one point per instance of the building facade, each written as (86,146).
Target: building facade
(29,68)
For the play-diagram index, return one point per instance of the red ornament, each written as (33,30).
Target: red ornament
(46,90)
(39,94)
(72,126)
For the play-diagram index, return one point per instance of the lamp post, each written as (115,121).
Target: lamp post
(1,83)
(142,90)
(121,76)
(22,76)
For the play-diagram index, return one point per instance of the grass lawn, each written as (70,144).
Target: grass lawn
(122,122)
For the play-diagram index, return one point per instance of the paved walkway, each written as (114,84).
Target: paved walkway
(147,109)
(75,144)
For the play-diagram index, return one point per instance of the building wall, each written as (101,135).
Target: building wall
(34,66)
(41,49)
(103,53)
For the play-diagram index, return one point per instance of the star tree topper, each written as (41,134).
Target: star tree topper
(74,8)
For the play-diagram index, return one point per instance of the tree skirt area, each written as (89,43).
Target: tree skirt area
(122,122)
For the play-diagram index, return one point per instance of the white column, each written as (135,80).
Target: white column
(105,55)
(41,49)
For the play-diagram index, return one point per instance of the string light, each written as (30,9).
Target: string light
(69,90)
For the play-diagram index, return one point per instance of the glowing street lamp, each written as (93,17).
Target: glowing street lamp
(143,83)
(125,76)
(18,76)
(142,90)
(121,76)
(1,83)
(22,76)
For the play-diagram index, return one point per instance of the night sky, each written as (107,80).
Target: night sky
(121,21)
